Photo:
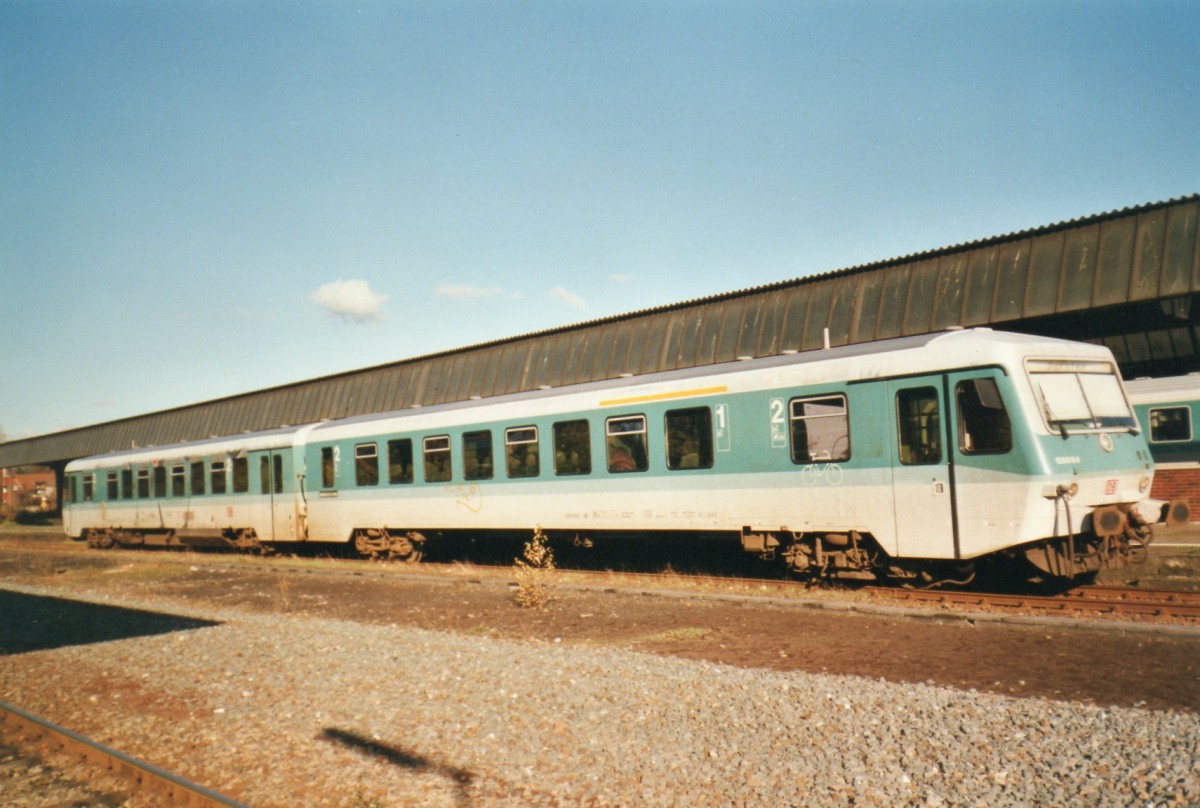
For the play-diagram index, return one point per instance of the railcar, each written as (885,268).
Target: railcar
(916,457)
(1167,409)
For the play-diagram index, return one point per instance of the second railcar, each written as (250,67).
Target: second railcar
(1169,411)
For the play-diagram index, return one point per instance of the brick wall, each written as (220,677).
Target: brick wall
(1177,484)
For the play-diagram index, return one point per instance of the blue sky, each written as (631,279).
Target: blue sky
(199,199)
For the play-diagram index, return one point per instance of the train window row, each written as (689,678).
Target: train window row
(820,432)
(180,480)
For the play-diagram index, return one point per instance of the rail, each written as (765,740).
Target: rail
(175,790)
(1096,600)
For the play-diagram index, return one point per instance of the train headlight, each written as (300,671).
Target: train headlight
(1068,491)
(1143,485)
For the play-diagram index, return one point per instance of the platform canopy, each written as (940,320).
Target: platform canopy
(1129,279)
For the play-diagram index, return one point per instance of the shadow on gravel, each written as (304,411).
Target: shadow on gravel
(37,623)
(408,760)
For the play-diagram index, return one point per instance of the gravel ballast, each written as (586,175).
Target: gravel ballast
(283,710)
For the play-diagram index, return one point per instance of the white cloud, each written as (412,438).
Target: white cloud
(468,294)
(351,300)
(570,298)
(619,278)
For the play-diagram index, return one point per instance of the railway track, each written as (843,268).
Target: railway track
(1111,601)
(173,790)
(1105,600)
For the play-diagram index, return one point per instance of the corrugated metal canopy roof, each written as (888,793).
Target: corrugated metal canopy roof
(1127,278)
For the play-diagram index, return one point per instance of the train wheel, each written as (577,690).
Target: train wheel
(376,543)
(407,547)
(370,543)
(246,541)
(100,539)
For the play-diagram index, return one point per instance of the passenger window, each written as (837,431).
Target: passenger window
(217,476)
(114,489)
(1170,425)
(626,444)
(178,485)
(983,425)
(477,455)
(328,466)
(572,448)
(143,484)
(241,475)
(920,426)
(127,484)
(160,481)
(400,461)
(89,487)
(521,451)
(690,439)
(264,475)
(277,475)
(198,478)
(366,464)
(437,459)
(820,430)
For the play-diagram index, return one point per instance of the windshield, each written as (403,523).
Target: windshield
(1081,395)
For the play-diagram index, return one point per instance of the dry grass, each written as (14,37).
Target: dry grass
(533,571)
(676,635)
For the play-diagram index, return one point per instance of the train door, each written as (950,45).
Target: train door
(273,471)
(922,474)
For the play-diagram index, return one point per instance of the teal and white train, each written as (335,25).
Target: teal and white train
(1168,410)
(914,457)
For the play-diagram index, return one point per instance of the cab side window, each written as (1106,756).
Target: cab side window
(983,424)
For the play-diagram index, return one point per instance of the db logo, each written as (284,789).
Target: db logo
(1110,487)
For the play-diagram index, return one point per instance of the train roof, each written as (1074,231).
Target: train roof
(247,441)
(953,348)
(1165,388)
